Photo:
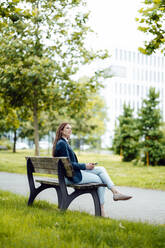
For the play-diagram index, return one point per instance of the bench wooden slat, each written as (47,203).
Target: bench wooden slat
(44,162)
(45,165)
(49,165)
(54,181)
(86,186)
(46,171)
(68,167)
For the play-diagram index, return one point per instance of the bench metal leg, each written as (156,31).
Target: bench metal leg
(59,196)
(36,191)
(69,198)
(96,203)
(31,198)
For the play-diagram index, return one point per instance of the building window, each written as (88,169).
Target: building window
(142,92)
(129,89)
(158,76)
(154,76)
(129,56)
(137,90)
(120,88)
(121,54)
(121,105)
(138,74)
(162,77)
(150,76)
(133,105)
(134,74)
(162,61)
(115,104)
(116,54)
(158,61)
(142,75)
(115,87)
(124,89)
(133,56)
(138,58)
(154,60)
(142,59)
(125,55)
(134,90)
(146,76)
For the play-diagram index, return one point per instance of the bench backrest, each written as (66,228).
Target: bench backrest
(49,165)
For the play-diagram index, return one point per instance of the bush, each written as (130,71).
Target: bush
(5,144)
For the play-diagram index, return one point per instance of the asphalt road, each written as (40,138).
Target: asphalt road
(145,206)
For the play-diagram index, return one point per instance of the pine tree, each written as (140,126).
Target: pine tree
(149,125)
(126,136)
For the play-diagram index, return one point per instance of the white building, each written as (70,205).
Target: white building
(133,75)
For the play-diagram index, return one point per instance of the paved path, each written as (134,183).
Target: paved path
(146,205)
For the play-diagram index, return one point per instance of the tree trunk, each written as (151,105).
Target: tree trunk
(147,153)
(36,132)
(15,140)
(147,158)
(121,151)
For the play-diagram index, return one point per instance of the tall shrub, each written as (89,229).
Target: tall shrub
(126,136)
(149,125)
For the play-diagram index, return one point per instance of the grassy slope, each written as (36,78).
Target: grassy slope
(44,226)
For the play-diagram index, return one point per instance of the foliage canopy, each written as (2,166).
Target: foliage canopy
(152,22)
(42,48)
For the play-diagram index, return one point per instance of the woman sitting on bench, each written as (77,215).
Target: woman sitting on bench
(83,173)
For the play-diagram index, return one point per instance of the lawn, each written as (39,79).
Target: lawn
(44,226)
(122,173)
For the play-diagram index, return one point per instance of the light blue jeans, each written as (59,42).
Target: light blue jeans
(96,175)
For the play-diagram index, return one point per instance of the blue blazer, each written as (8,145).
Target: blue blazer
(63,149)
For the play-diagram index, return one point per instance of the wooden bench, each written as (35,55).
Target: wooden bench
(61,167)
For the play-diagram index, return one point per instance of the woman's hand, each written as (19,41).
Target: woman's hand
(90,166)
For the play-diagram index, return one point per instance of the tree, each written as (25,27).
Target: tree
(126,136)
(87,122)
(149,125)
(11,120)
(152,22)
(162,159)
(89,125)
(42,47)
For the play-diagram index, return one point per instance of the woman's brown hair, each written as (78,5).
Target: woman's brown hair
(58,135)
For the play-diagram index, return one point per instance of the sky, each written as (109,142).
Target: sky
(114,25)
(114,22)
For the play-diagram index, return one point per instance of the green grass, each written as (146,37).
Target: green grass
(122,173)
(127,174)
(44,226)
